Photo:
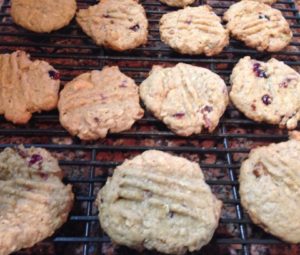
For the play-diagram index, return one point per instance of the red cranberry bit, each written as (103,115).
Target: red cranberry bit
(253,107)
(206,108)
(106,16)
(179,115)
(35,158)
(44,176)
(259,72)
(266,99)
(123,84)
(135,28)
(54,75)
(22,153)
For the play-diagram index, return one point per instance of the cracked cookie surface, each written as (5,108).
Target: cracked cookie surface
(185,97)
(97,102)
(117,24)
(33,200)
(26,86)
(266,91)
(43,16)
(258,25)
(194,30)
(137,207)
(270,188)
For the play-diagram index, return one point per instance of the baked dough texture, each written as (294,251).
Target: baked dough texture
(266,91)
(258,25)
(43,16)
(26,86)
(97,102)
(194,30)
(264,1)
(159,202)
(177,3)
(186,98)
(117,24)
(33,200)
(270,188)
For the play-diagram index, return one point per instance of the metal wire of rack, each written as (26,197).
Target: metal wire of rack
(88,164)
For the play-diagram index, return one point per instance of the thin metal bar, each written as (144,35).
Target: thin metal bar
(239,212)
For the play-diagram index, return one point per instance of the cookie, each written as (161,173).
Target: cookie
(266,92)
(43,16)
(26,86)
(117,24)
(177,3)
(185,97)
(270,188)
(99,101)
(159,202)
(33,200)
(264,1)
(194,30)
(258,25)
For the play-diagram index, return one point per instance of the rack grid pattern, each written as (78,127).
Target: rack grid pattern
(88,164)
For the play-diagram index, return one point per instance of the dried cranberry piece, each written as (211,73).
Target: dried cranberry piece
(35,158)
(123,84)
(44,176)
(106,16)
(135,27)
(179,115)
(207,108)
(259,72)
(54,75)
(266,99)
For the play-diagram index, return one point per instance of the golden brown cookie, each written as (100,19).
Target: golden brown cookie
(266,92)
(33,200)
(258,25)
(270,188)
(43,16)
(97,102)
(194,30)
(177,3)
(186,98)
(26,86)
(159,202)
(117,24)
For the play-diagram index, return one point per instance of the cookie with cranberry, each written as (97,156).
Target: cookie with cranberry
(177,3)
(137,202)
(194,30)
(99,102)
(43,16)
(117,24)
(186,98)
(258,25)
(266,91)
(34,202)
(270,188)
(26,86)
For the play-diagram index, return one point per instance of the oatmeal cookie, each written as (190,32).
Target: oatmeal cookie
(117,24)
(258,25)
(266,91)
(43,16)
(99,101)
(270,188)
(186,98)
(26,86)
(177,3)
(33,200)
(194,30)
(159,202)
